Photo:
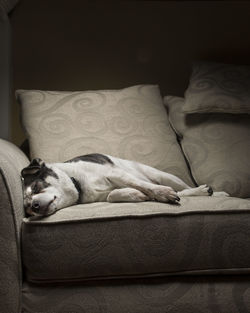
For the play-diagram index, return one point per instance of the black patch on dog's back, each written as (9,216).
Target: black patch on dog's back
(92,157)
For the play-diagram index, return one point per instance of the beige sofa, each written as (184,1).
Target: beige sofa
(144,257)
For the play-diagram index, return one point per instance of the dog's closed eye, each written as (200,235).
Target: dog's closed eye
(38,186)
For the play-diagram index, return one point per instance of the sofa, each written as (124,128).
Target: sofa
(146,257)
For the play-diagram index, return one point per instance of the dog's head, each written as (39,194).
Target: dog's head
(46,189)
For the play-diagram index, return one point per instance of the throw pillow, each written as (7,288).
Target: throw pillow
(217,147)
(130,123)
(216,87)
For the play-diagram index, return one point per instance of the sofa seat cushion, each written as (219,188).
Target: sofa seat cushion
(111,240)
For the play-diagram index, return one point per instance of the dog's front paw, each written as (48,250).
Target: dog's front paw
(165,194)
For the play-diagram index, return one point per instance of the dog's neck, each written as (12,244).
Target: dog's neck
(78,188)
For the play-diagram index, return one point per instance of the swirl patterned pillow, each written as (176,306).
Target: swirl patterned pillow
(216,87)
(217,147)
(130,123)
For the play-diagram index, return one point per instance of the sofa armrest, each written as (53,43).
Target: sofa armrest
(12,160)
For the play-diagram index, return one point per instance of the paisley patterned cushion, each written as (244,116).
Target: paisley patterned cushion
(217,147)
(104,240)
(130,123)
(216,87)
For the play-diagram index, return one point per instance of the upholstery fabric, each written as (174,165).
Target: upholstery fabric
(12,160)
(216,87)
(130,123)
(104,240)
(190,294)
(217,147)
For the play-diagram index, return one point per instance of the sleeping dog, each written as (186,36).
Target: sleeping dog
(98,177)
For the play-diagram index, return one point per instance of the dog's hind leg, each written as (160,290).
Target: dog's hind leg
(127,195)
(166,179)
(162,178)
(150,174)
(121,179)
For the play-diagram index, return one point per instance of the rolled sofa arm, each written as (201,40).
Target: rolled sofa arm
(12,160)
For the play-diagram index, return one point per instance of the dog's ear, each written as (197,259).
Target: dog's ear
(34,168)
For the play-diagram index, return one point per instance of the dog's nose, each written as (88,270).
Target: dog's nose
(35,206)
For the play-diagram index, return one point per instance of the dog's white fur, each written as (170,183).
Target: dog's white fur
(122,181)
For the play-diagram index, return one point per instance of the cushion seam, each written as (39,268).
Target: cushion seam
(143,275)
(117,218)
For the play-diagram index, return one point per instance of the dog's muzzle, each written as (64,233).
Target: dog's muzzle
(42,208)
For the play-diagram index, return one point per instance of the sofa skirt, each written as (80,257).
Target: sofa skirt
(188,294)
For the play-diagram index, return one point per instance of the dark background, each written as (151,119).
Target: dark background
(81,45)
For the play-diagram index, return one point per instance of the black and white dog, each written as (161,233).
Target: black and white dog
(98,177)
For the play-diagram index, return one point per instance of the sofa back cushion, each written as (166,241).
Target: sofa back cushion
(130,123)
(216,87)
(217,147)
